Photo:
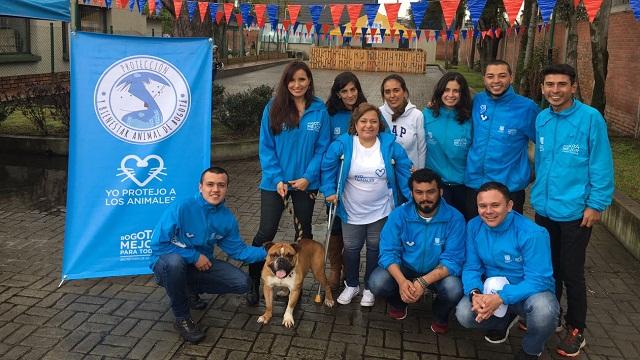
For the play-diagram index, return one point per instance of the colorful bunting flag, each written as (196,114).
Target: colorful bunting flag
(294,10)
(354,13)
(635,6)
(512,8)
(546,8)
(592,6)
(342,30)
(476,7)
(418,9)
(239,19)
(245,11)
(202,9)
(191,9)
(152,6)
(272,11)
(141,5)
(213,10)
(449,8)
(336,13)
(177,6)
(260,9)
(219,16)
(228,9)
(371,10)
(392,12)
(132,4)
(315,11)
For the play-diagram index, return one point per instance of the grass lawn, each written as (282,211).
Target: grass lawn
(18,124)
(626,161)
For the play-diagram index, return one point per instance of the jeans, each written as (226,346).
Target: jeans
(448,292)
(271,207)
(354,237)
(456,196)
(568,252)
(540,311)
(179,278)
(472,202)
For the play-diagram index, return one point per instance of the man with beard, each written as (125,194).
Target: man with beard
(421,248)
(503,124)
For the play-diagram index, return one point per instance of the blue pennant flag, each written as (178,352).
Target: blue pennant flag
(476,32)
(295,27)
(158,6)
(315,11)
(342,29)
(371,10)
(249,20)
(419,9)
(449,35)
(464,34)
(401,33)
(476,7)
(418,33)
(436,35)
(213,10)
(363,31)
(141,4)
(546,8)
(191,9)
(272,11)
(107,3)
(382,32)
(318,28)
(635,6)
(245,11)
(132,4)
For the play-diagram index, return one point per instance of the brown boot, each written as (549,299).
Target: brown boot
(334,255)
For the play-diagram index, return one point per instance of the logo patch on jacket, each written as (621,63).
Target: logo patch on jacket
(507,258)
(314,126)
(541,143)
(437,241)
(573,149)
(410,243)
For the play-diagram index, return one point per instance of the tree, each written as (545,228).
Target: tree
(599,31)
(524,39)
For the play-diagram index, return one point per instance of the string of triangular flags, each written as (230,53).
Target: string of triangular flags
(449,7)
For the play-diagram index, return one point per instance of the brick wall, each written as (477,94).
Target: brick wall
(623,93)
(10,85)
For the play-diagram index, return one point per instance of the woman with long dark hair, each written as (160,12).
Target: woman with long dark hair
(403,118)
(448,125)
(294,135)
(346,94)
(367,173)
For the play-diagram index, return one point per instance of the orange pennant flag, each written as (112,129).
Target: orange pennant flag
(260,8)
(177,5)
(202,7)
(228,8)
(152,7)
(219,16)
(592,6)
(354,13)
(513,8)
(336,13)
(392,13)
(449,8)
(294,10)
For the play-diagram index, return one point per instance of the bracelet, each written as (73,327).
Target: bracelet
(422,282)
(473,292)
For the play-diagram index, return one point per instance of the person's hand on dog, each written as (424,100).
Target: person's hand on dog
(299,184)
(203,263)
(282,189)
(408,291)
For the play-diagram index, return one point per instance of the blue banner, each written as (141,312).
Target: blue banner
(140,136)
(37,9)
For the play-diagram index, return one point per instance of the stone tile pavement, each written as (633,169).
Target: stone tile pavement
(129,317)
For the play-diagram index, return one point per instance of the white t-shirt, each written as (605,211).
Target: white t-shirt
(366,197)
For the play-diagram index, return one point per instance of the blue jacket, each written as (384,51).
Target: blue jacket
(339,123)
(574,169)
(517,249)
(448,144)
(413,243)
(397,175)
(297,152)
(193,226)
(502,128)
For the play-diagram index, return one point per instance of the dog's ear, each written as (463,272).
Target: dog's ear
(296,246)
(268,245)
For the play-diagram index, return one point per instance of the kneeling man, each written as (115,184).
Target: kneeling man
(421,247)
(182,243)
(504,245)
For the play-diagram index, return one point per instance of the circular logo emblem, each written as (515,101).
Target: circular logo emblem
(142,99)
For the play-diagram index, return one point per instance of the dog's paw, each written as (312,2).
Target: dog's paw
(329,302)
(288,321)
(263,319)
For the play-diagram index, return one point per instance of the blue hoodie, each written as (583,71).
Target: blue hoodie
(502,128)
(448,144)
(193,226)
(517,249)
(411,242)
(574,169)
(297,152)
(339,123)
(397,175)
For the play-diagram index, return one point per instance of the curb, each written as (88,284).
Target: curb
(233,71)
(622,219)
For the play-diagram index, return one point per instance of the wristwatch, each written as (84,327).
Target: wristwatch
(473,292)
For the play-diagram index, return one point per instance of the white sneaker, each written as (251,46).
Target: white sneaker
(348,294)
(368,299)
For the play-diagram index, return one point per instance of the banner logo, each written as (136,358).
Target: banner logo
(142,99)
(127,170)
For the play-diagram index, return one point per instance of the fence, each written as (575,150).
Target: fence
(387,60)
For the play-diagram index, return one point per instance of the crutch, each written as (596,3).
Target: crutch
(332,215)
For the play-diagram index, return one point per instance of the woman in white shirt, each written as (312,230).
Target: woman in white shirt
(375,173)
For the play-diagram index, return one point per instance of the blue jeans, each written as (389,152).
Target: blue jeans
(540,311)
(448,292)
(179,279)
(354,237)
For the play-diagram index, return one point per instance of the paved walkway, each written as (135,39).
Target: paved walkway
(129,317)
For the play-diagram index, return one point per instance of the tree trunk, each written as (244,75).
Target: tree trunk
(572,44)
(599,31)
(458,24)
(472,54)
(520,68)
(531,39)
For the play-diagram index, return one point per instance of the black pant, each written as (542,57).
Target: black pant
(271,207)
(472,202)
(569,243)
(456,196)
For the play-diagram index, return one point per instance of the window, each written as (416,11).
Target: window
(93,18)
(14,36)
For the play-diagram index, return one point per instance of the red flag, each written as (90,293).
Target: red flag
(513,8)
(354,13)
(409,33)
(202,7)
(393,32)
(325,28)
(373,31)
(152,7)
(219,16)
(498,32)
(294,10)
(449,8)
(239,19)
(456,35)
(336,13)
(592,6)
(177,5)
(122,3)
(490,33)
(260,8)
(285,24)
(309,26)
(484,33)
(228,8)
(392,13)
(354,30)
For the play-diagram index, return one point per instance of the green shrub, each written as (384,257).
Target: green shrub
(34,103)
(7,106)
(241,112)
(61,104)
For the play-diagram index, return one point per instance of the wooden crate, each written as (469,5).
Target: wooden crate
(384,60)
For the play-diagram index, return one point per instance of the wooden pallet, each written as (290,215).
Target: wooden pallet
(383,60)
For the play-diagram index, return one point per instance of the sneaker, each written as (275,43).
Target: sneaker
(397,314)
(439,329)
(572,343)
(521,355)
(368,299)
(500,336)
(188,330)
(196,303)
(348,294)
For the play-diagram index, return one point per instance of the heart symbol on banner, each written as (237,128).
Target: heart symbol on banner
(141,163)
(380,172)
